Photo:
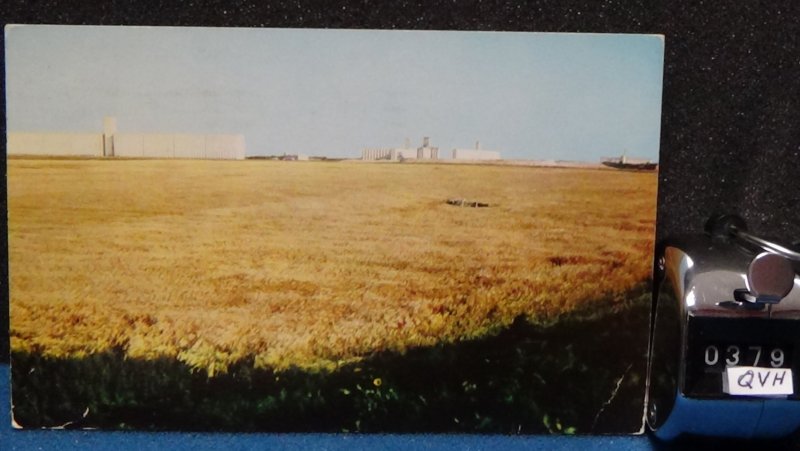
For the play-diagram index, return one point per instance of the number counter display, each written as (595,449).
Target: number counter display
(719,356)
(723,360)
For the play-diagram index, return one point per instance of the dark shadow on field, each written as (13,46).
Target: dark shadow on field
(580,374)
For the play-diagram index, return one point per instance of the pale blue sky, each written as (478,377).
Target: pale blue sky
(334,92)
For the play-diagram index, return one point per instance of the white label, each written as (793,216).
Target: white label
(757,381)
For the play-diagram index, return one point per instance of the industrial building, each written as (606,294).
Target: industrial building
(475,154)
(391,154)
(425,152)
(294,157)
(110,143)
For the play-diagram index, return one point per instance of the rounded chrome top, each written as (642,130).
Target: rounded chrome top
(770,275)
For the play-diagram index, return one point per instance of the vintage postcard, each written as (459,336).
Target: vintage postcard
(330,230)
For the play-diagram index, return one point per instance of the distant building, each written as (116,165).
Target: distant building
(294,157)
(389,154)
(475,154)
(426,152)
(623,162)
(403,154)
(400,153)
(110,143)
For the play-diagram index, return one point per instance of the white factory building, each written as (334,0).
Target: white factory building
(111,143)
(475,154)
(391,154)
(425,152)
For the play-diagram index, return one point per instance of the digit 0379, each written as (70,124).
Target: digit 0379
(718,356)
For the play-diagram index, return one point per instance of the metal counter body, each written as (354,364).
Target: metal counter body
(695,341)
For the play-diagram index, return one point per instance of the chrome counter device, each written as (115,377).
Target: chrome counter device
(725,336)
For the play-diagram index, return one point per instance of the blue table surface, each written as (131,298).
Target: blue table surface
(11,439)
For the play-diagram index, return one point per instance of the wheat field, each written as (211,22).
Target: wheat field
(308,264)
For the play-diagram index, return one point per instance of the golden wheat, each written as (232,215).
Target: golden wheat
(307,264)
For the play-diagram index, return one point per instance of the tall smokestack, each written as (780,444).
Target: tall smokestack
(477,145)
(425,142)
